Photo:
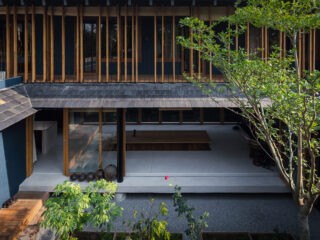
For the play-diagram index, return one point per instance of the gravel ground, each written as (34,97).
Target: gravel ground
(228,213)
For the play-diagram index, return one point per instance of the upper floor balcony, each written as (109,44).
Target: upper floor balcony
(121,41)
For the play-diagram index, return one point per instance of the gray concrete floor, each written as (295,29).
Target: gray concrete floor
(226,168)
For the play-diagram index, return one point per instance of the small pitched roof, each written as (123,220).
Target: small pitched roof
(14,106)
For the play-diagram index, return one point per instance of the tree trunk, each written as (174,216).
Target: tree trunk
(304,232)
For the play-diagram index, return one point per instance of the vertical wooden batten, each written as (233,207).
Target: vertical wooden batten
(210,63)
(107,44)
(155,47)
(15,42)
(44,40)
(99,46)
(118,45)
(126,45)
(133,46)
(162,49)
(81,44)
(63,46)
(33,46)
(52,45)
(174,48)
(191,50)
(8,43)
(26,48)
(248,39)
(66,141)
(137,47)
(77,66)
(29,145)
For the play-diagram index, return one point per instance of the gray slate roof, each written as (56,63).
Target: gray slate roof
(14,106)
(124,95)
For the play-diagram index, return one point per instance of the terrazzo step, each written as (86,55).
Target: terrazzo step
(157,184)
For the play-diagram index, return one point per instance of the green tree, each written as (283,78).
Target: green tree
(272,90)
(149,226)
(71,208)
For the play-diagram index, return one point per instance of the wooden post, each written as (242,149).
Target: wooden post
(33,45)
(266,43)
(248,39)
(26,47)
(174,48)
(99,45)
(137,47)
(52,46)
(155,47)
(44,50)
(81,44)
(8,44)
(100,138)
(314,49)
(162,48)
(29,145)
(15,43)
(63,46)
(66,141)
(237,38)
(126,45)
(133,45)
(262,36)
(118,45)
(107,45)
(121,144)
(191,50)
(77,66)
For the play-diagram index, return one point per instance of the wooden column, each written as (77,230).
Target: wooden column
(81,44)
(99,45)
(66,141)
(121,144)
(155,47)
(107,45)
(52,45)
(133,46)
(77,66)
(26,47)
(118,45)
(15,43)
(137,48)
(29,145)
(162,49)
(100,138)
(314,49)
(63,46)
(174,48)
(33,46)
(248,39)
(44,40)
(237,38)
(126,45)
(8,44)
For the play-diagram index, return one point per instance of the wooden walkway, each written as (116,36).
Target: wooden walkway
(15,218)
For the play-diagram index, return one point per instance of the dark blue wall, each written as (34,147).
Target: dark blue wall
(14,145)
(10,82)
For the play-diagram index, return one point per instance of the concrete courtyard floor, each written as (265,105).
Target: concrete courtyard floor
(226,168)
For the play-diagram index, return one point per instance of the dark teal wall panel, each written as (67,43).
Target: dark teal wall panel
(14,142)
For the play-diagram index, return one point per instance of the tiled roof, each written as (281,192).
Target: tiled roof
(125,95)
(14,106)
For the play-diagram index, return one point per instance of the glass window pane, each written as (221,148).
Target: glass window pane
(132,115)
(83,141)
(170,116)
(211,114)
(191,115)
(150,115)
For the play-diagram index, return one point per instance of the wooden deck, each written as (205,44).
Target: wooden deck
(15,218)
(164,141)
